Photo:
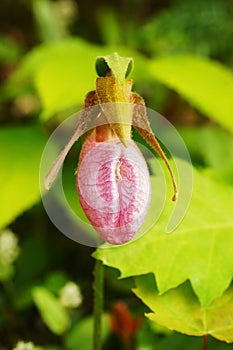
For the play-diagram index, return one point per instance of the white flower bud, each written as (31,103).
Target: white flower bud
(9,249)
(21,345)
(70,295)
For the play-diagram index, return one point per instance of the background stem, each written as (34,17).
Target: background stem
(98,303)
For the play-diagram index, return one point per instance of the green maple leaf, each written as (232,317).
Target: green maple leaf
(198,250)
(180,310)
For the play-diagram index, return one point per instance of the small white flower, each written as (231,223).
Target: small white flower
(9,249)
(21,345)
(70,295)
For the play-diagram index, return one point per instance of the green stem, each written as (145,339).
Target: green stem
(98,303)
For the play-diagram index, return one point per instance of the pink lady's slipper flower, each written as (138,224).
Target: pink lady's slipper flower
(114,188)
(112,177)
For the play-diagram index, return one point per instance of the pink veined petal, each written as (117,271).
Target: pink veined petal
(114,188)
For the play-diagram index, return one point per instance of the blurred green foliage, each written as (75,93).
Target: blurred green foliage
(195,26)
(183,56)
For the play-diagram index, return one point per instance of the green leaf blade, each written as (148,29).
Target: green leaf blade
(81,335)
(22,148)
(52,312)
(206,84)
(179,310)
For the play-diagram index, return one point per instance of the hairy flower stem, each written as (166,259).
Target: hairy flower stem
(98,303)
(205,346)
